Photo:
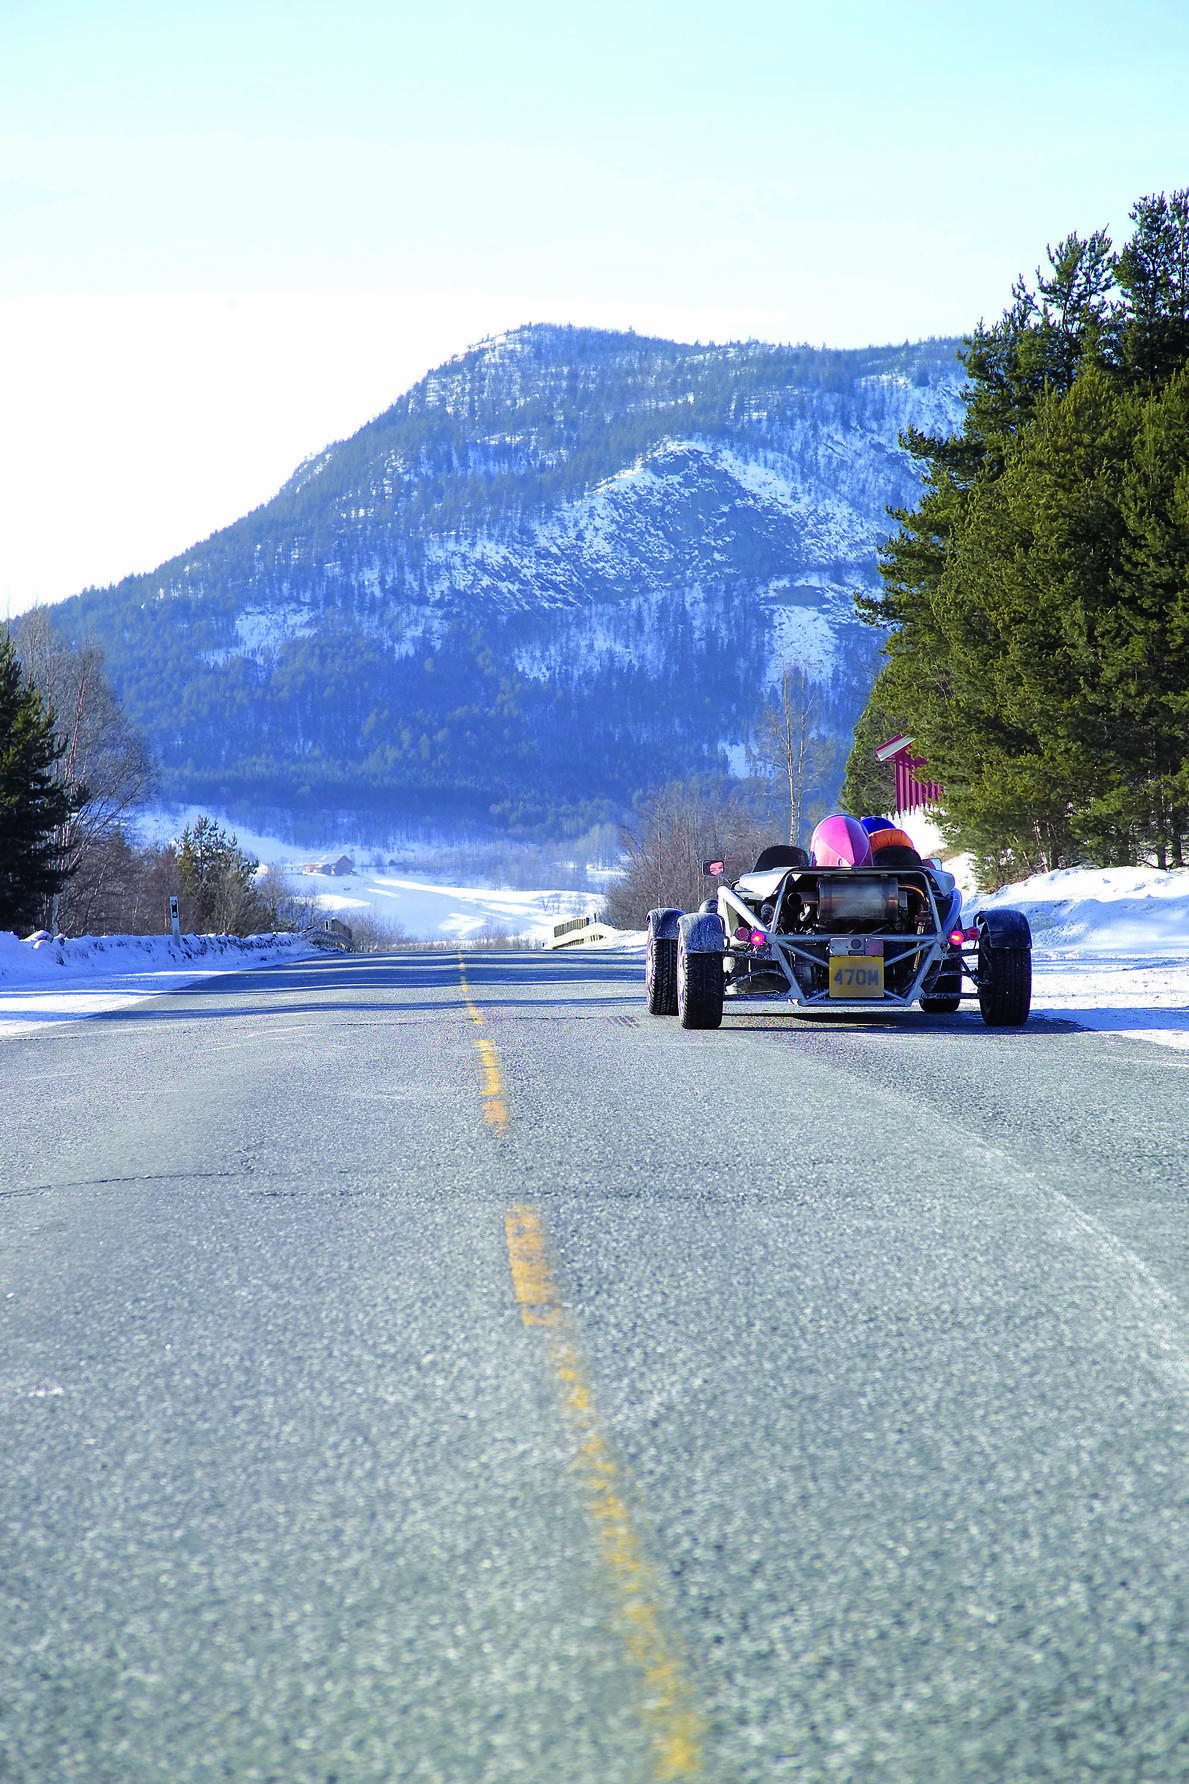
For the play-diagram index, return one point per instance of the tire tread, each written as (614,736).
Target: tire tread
(946,994)
(700,990)
(660,978)
(1005,996)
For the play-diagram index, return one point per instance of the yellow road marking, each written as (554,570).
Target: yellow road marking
(495,1109)
(667,1710)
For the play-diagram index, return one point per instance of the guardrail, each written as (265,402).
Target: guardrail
(577,930)
(331,934)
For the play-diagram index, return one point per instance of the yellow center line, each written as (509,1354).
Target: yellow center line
(495,1109)
(667,1710)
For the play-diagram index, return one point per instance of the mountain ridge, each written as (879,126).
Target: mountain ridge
(562,547)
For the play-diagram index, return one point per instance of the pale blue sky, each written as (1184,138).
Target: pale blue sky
(232,232)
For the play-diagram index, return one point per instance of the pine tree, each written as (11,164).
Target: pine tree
(1012,717)
(32,804)
(218,882)
(1036,595)
(1153,272)
(870,785)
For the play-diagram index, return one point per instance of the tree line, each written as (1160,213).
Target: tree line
(73,776)
(1036,598)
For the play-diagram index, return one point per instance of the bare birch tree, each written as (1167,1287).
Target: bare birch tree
(789,744)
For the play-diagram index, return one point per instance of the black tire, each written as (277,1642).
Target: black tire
(1005,989)
(660,977)
(946,994)
(699,990)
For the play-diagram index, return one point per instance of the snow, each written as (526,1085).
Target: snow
(802,635)
(427,911)
(1110,944)
(1111,947)
(260,632)
(44,981)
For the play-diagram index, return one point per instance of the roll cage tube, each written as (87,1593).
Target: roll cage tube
(784,950)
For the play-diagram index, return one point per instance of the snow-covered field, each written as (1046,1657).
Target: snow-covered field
(418,900)
(1111,947)
(429,912)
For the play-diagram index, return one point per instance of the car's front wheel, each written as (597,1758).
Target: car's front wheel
(660,976)
(944,996)
(699,990)
(1004,985)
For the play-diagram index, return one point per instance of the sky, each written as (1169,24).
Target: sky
(233,232)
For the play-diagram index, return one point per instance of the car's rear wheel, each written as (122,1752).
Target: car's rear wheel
(945,994)
(1005,985)
(660,976)
(699,990)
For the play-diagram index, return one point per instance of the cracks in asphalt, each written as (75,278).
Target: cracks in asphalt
(243,1174)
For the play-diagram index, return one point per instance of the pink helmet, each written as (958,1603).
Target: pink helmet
(840,841)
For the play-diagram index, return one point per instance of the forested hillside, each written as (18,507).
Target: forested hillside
(561,568)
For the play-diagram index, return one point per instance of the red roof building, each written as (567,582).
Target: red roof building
(912,793)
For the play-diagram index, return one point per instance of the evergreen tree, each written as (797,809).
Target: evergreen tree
(870,785)
(218,881)
(1037,594)
(1153,273)
(32,804)
(999,674)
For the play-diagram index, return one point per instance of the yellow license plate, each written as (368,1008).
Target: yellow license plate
(856,975)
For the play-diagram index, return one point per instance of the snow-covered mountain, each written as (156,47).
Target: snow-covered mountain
(563,567)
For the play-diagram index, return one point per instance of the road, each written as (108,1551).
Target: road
(426,1371)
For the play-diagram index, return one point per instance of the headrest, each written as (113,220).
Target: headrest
(780,854)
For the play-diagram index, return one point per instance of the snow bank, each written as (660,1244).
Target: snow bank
(1110,948)
(1106,909)
(44,980)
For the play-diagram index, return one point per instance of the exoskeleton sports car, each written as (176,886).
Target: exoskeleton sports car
(821,932)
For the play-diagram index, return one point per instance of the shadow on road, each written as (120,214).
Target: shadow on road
(894,1022)
(502,984)
(403,987)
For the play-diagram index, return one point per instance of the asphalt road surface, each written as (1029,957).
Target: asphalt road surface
(434,1373)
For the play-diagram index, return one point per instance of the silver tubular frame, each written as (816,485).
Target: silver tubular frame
(781,951)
